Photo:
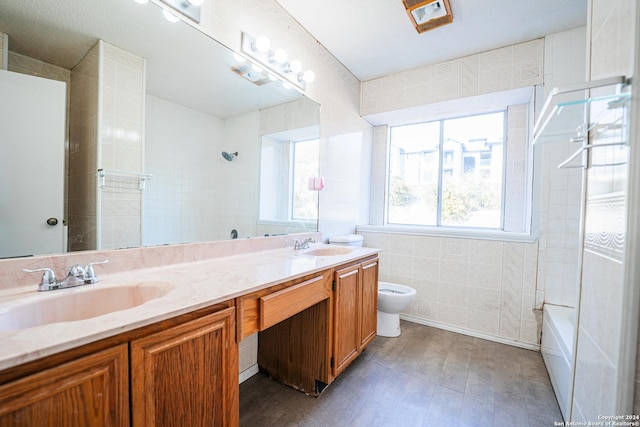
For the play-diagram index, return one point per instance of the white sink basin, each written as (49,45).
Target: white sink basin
(328,251)
(77,304)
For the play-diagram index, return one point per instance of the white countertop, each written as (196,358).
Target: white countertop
(192,285)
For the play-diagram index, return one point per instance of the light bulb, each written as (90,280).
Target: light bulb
(262,44)
(196,2)
(170,16)
(308,76)
(279,56)
(295,66)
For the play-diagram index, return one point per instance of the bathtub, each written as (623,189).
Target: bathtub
(558,331)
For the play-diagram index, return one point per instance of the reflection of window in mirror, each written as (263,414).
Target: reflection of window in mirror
(286,166)
(305,165)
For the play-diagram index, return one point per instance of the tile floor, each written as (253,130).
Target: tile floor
(426,377)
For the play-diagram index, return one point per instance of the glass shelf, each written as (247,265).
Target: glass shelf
(569,113)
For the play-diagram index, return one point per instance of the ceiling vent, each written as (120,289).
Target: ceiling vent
(430,14)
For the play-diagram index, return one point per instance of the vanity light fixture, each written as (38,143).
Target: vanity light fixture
(429,14)
(274,62)
(170,16)
(189,8)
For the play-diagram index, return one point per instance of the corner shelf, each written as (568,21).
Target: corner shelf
(565,114)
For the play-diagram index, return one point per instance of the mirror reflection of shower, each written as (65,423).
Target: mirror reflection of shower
(229,156)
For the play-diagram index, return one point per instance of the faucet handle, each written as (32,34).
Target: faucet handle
(48,277)
(90,274)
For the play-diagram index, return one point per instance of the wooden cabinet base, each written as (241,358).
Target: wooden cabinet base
(187,375)
(90,391)
(294,350)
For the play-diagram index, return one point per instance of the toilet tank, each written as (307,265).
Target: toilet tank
(347,240)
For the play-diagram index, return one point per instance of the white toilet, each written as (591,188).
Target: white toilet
(392,297)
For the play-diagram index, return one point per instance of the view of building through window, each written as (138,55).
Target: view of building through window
(448,172)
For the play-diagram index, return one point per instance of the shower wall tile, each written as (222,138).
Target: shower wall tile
(559,211)
(481,286)
(120,146)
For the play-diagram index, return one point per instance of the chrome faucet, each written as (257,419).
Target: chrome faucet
(77,276)
(297,244)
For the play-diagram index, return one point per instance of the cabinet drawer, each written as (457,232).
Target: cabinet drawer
(283,304)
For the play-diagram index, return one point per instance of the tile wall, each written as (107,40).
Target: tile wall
(83,149)
(475,286)
(510,67)
(486,288)
(182,152)
(120,146)
(560,189)
(612,44)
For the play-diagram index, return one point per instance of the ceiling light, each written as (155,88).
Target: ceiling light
(280,56)
(308,76)
(262,44)
(170,16)
(274,62)
(429,14)
(188,8)
(295,66)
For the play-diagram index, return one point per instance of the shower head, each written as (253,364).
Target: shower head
(229,156)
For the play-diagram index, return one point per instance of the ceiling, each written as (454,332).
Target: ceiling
(374,38)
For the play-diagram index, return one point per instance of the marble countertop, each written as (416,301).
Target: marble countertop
(183,287)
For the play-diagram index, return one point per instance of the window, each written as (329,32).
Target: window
(285,168)
(448,172)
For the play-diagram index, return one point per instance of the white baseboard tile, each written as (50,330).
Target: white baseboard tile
(248,373)
(474,334)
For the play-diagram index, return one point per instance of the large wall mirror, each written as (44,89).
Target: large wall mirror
(202,129)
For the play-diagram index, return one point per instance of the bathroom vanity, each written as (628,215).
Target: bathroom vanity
(174,359)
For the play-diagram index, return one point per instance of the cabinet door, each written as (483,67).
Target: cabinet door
(91,391)
(369,301)
(346,338)
(187,375)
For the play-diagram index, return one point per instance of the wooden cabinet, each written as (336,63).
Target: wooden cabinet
(182,371)
(89,391)
(335,319)
(355,311)
(187,375)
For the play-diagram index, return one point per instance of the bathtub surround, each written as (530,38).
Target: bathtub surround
(603,364)
(560,189)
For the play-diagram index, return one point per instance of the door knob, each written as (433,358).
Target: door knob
(52,221)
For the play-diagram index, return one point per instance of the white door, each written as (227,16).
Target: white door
(32,134)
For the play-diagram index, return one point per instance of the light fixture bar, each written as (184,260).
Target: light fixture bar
(286,70)
(188,8)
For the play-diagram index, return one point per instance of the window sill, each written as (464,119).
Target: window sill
(455,232)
